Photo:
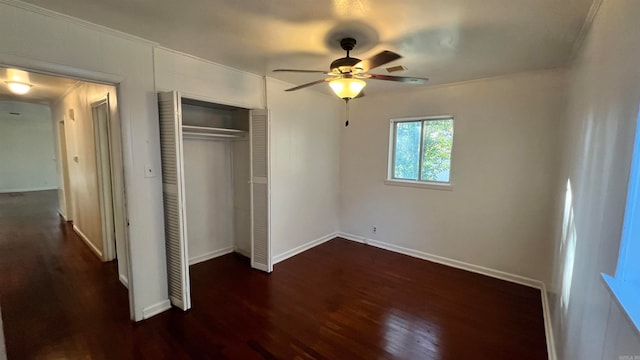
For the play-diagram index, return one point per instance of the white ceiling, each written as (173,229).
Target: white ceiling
(446,41)
(45,90)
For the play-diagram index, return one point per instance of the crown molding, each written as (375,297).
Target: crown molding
(76,21)
(197,58)
(584,30)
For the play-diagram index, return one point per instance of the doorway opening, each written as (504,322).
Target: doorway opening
(79,127)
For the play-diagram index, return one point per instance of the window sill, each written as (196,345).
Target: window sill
(628,297)
(419,184)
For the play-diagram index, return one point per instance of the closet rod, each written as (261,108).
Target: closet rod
(197,134)
(211,129)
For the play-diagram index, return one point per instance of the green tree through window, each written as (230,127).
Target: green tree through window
(422,150)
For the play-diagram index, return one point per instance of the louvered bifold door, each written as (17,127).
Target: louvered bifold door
(260,242)
(175,223)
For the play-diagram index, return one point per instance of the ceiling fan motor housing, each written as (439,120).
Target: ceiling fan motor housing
(347,44)
(343,65)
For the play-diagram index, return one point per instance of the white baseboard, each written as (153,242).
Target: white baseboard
(64,217)
(210,255)
(297,250)
(446,261)
(242,252)
(87,241)
(4,191)
(537,284)
(3,346)
(156,309)
(123,279)
(548,325)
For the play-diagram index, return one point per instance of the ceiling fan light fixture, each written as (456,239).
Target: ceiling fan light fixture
(347,88)
(18,88)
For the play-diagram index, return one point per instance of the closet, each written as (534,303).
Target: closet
(215,186)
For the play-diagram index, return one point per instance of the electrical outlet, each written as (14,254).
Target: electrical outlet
(374,229)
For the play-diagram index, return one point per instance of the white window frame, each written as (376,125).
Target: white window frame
(623,286)
(390,180)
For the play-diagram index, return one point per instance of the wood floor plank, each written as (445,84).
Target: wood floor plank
(339,300)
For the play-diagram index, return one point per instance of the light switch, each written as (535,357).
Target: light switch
(148,171)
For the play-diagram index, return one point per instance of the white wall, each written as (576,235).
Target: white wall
(209,196)
(597,149)
(27,151)
(503,163)
(203,80)
(81,160)
(305,158)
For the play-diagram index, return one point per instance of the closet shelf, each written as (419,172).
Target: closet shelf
(211,132)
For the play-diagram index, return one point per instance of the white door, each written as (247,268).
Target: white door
(260,234)
(100,114)
(175,221)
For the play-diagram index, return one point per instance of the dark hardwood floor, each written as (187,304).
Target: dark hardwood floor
(340,300)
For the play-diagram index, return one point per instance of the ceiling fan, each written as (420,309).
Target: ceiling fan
(347,74)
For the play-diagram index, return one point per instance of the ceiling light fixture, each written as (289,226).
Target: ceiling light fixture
(347,87)
(18,88)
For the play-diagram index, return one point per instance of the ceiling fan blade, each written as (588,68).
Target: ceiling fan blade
(309,84)
(379,59)
(302,71)
(402,79)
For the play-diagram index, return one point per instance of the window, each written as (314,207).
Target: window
(625,285)
(420,151)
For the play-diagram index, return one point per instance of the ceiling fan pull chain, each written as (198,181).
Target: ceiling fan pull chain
(346,123)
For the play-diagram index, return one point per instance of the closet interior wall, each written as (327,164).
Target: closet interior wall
(216,172)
